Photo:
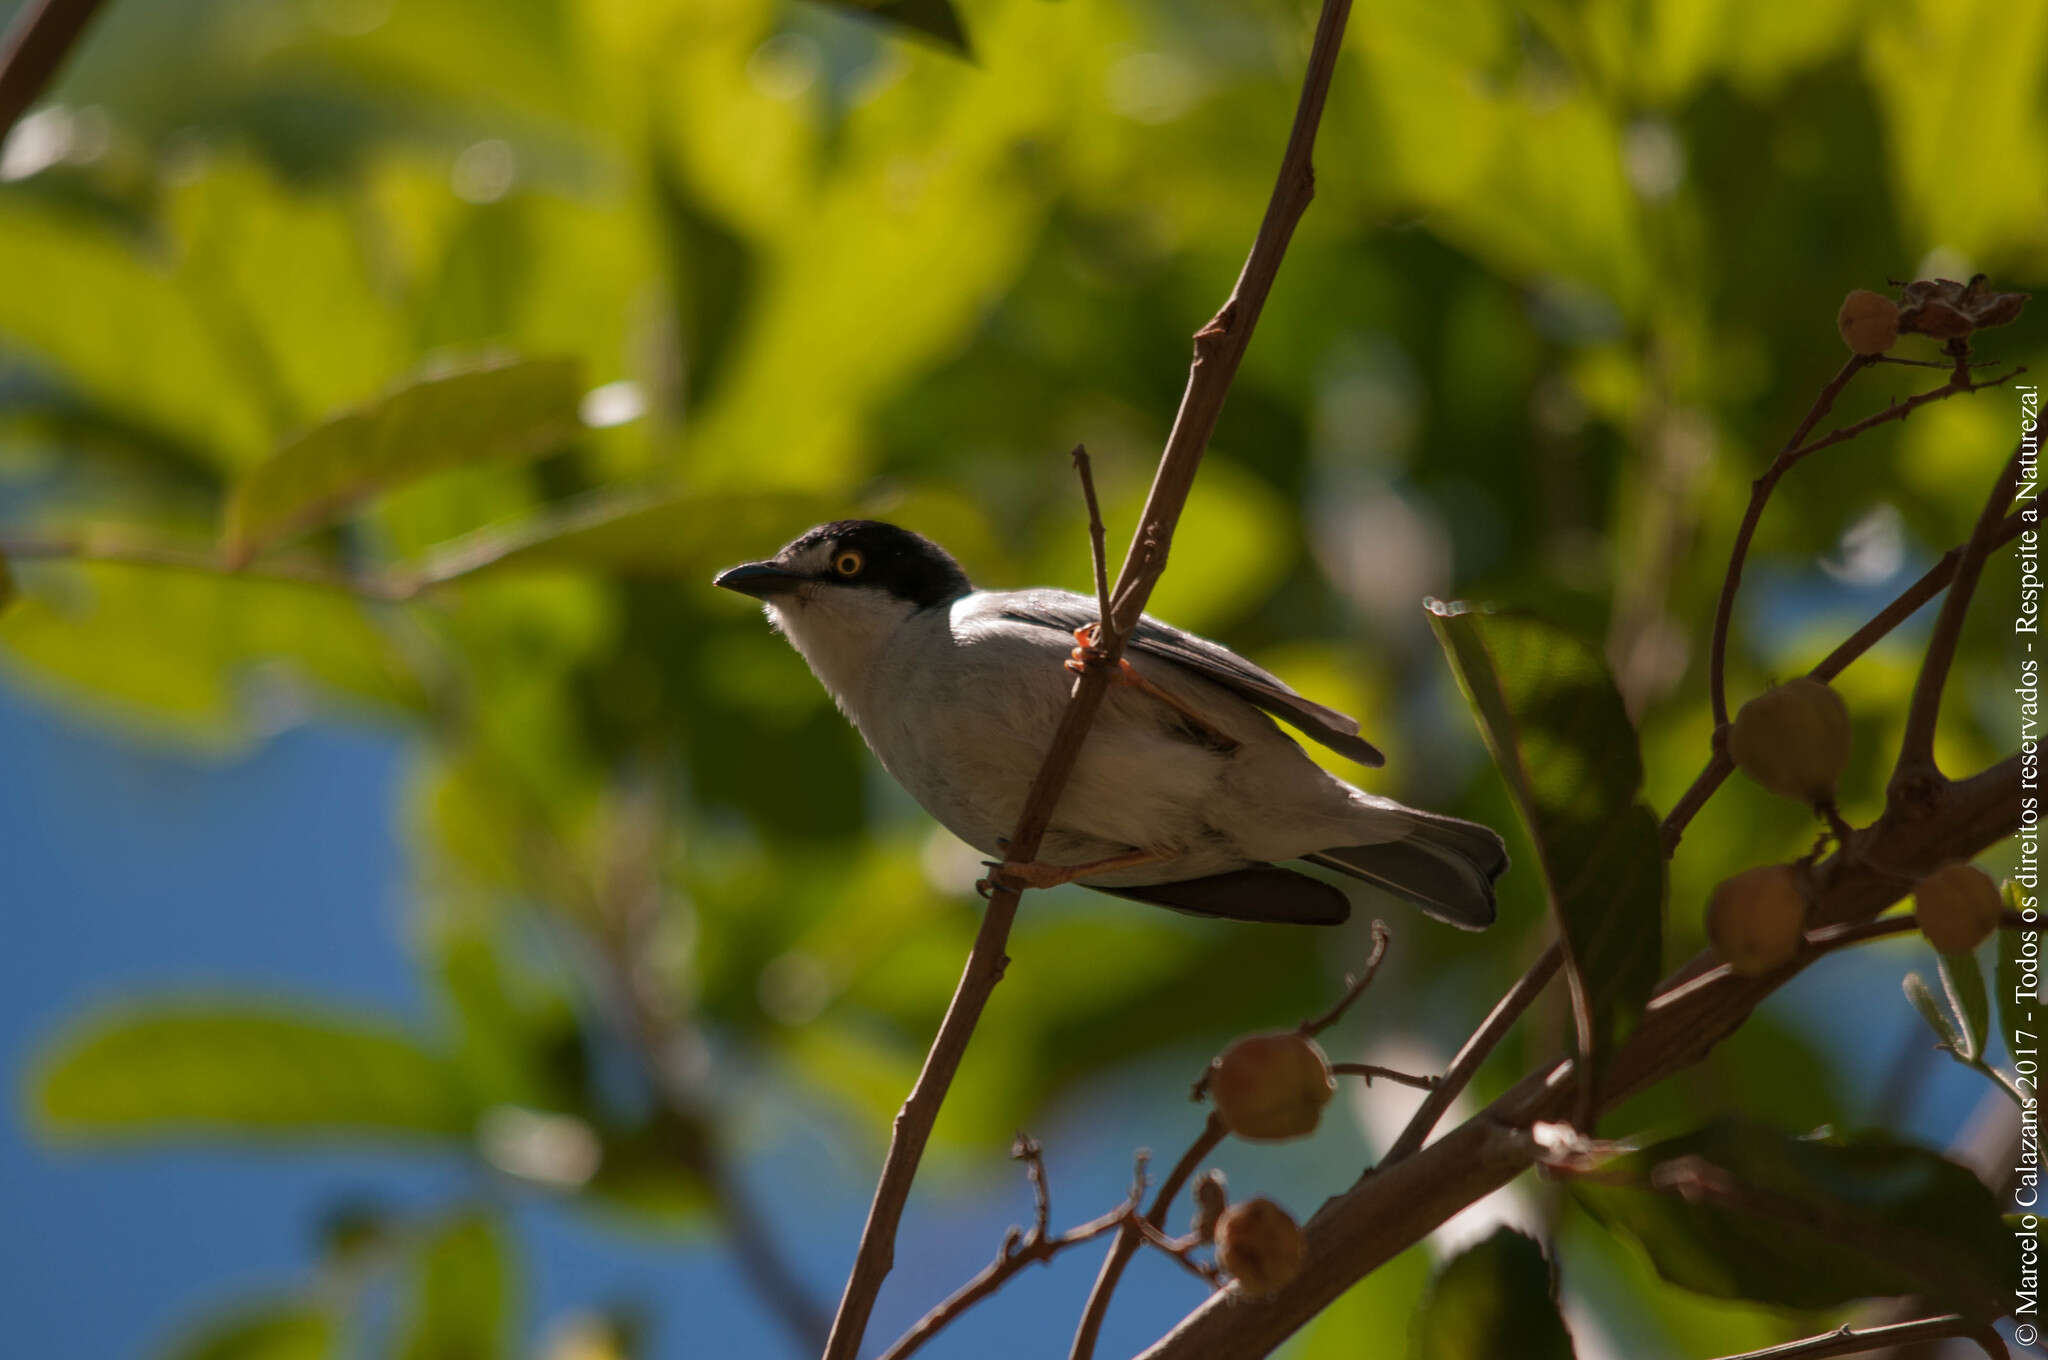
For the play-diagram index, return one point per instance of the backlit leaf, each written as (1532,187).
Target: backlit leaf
(1498,1298)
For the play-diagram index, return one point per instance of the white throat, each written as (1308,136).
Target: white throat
(840,634)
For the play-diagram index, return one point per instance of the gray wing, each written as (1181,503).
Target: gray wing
(1066,611)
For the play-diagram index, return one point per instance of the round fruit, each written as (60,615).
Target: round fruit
(1958,906)
(1869,322)
(1260,1247)
(1794,739)
(1755,919)
(1271,1087)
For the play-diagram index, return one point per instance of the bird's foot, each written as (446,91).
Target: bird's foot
(1032,874)
(1086,656)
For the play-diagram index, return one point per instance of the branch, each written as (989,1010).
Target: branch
(1372,1070)
(1937,577)
(1354,987)
(1389,1210)
(1219,348)
(1097,535)
(1018,1251)
(1127,1241)
(1490,1032)
(1916,748)
(41,36)
(1845,1340)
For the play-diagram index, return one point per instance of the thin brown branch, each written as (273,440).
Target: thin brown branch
(1908,603)
(1391,1209)
(1916,747)
(1219,348)
(1958,384)
(1373,1071)
(1098,534)
(33,50)
(1760,495)
(1019,1250)
(1354,987)
(1181,1249)
(1127,1241)
(1490,1032)
(1846,1340)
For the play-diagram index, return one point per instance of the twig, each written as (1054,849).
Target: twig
(1490,1032)
(1354,987)
(1845,1340)
(1372,1070)
(38,40)
(1098,535)
(1019,1249)
(1759,495)
(1219,348)
(1908,603)
(1182,1250)
(1126,1244)
(1916,747)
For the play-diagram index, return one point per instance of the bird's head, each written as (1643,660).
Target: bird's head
(839,590)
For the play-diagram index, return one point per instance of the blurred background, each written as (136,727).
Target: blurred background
(462,932)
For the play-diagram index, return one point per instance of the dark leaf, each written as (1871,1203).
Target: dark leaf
(1931,1010)
(1963,980)
(1740,1211)
(1496,1299)
(932,19)
(1555,723)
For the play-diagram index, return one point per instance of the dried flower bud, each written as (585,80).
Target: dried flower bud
(1948,310)
(1794,739)
(1755,919)
(1869,322)
(1958,906)
(1212,1197)
(1271,1087)
(1258,1245)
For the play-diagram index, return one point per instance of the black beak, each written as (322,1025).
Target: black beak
(758,579)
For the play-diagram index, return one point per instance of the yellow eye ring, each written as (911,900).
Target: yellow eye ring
(848,563)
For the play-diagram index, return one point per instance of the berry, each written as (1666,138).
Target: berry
(1869,322)
(1259,1245)
(1794,739)
(1958,906)
(1271,1087)
(1755,919)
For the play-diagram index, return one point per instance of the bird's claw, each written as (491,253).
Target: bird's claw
(1087,654)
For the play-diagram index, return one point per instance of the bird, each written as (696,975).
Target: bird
(1186,793)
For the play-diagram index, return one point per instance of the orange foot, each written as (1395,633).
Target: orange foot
(1086,655)
(1010,874)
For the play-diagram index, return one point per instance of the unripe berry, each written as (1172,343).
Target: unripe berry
(1259,1246)
(1794,739)
(1755,919)
(1271,1087)
(1958,906)
(1869,322)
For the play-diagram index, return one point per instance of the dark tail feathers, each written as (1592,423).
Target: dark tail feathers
(1443,865)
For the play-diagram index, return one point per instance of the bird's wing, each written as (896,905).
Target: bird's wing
(1066,611)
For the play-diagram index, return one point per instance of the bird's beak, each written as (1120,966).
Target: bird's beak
(762,580)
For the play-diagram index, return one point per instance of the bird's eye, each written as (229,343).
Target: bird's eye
(848,563)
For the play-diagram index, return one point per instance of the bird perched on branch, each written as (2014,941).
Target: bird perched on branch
(1185,792)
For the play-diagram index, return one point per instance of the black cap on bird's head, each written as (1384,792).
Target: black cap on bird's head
(862,553)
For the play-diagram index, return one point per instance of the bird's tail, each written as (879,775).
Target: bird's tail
(1444,865)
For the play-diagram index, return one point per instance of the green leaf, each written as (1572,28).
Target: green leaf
(1932,1011)
(933,19)
(493,412)
(1498,1298)
(2019,1002)
(246,1070)
(1963,980)
(7,587)
(1555,723)
(1748,1212)
(462,1290)
(290,1329)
